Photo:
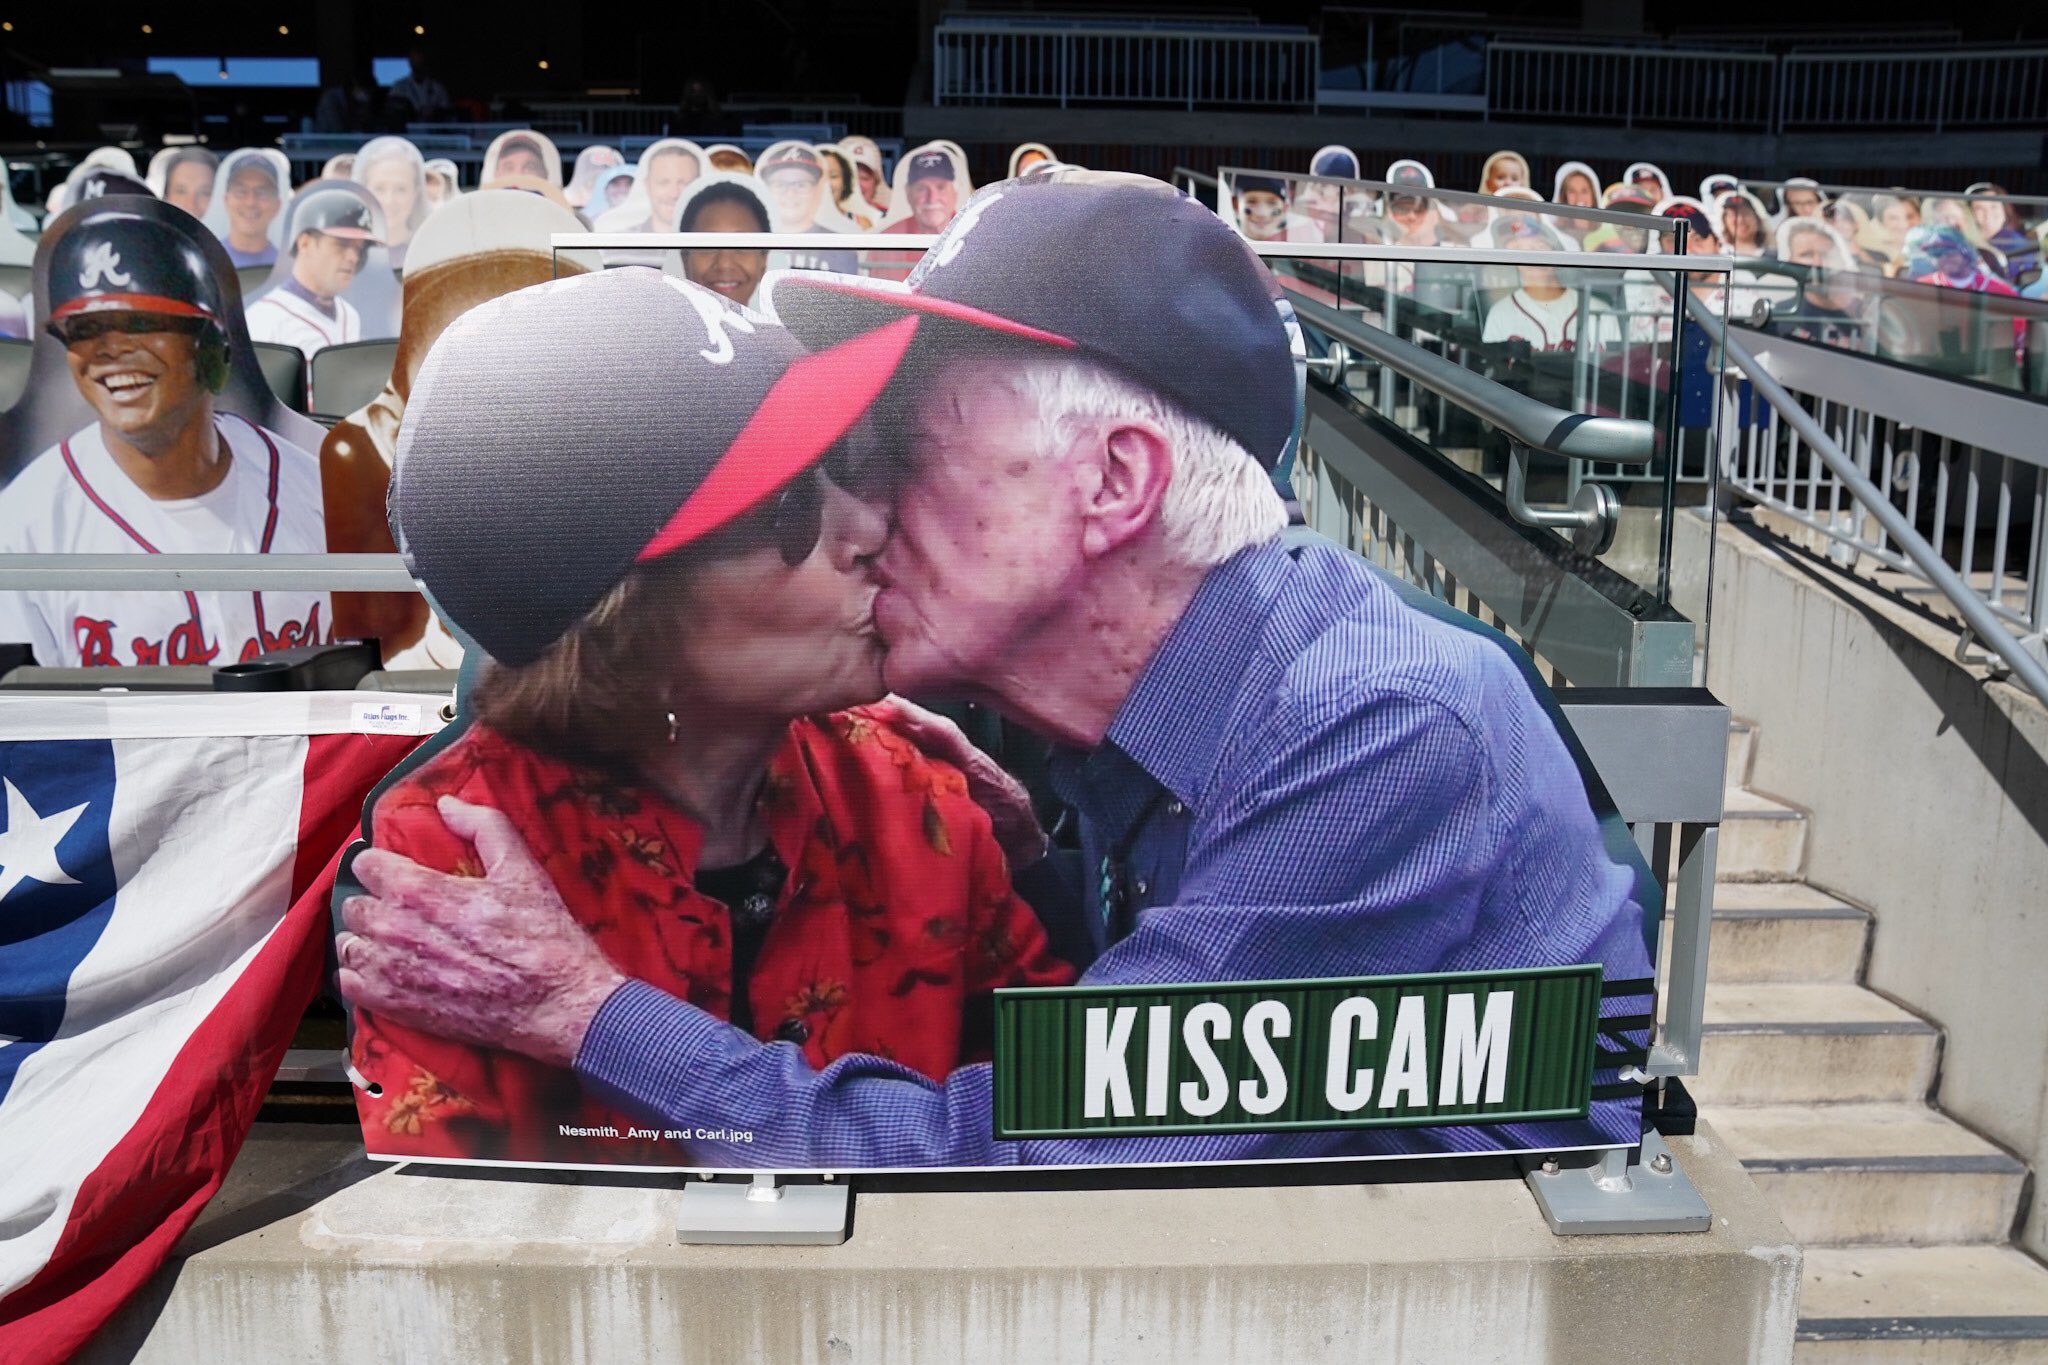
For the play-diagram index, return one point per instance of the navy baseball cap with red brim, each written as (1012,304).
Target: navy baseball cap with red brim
(1123,270)
(525,490)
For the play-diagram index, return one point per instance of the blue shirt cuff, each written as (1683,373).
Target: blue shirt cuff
(640,1045)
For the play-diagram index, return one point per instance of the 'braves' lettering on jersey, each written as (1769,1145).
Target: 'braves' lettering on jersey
(73,498)
(285,318)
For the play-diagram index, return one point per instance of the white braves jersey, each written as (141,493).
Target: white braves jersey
(73,498)
(285,318)
(1546,324)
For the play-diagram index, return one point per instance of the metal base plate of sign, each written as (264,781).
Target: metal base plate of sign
(1643,1191)
(763,1213)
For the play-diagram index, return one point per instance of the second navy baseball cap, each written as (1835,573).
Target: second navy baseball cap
(933,165)
(1121,269)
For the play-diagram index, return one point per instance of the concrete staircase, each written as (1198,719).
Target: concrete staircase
(1823,1090)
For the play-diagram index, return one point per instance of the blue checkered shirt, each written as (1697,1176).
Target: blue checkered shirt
(1310,779)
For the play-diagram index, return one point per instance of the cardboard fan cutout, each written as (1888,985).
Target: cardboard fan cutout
(444,181)
(665,169)
(332,282)
(115,159)
(392,169)
(591,162)
(147,427)
(184,176)
(251,188)
(614,185)
(17,247)
(1028,154)
(13,214)
(931,184)
(870,179)
(723,156)
(799,201)
(725,202)
(521,151)
(484,245)
(842,187)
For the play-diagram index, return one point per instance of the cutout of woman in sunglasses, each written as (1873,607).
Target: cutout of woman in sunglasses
(677,713)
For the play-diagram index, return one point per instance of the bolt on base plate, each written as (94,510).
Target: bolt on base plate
(1612,1193)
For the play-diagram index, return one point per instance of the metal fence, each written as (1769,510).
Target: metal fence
(1934,90)
(1764,92)
(1023,63)
(1965,466)
(1629,86)
(1068,62)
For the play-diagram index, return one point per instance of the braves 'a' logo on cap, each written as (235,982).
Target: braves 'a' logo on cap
(717,317)
(957,230)
(102,261)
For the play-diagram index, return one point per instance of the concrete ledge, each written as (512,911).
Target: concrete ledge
(371,1263)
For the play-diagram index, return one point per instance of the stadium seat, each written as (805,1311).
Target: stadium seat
(347,376)
(16,355)
(16,279)
(285,370)
(252,278)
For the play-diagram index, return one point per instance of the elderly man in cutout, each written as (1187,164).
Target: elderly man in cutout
(1281,769)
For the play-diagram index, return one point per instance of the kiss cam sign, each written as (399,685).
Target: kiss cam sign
(1371,1052)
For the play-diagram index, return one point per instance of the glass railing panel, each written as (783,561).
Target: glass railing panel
(1598,334)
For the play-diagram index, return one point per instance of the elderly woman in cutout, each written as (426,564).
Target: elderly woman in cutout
(677,718)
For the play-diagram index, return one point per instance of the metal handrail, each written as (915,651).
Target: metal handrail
(1530,421)
(1982,622)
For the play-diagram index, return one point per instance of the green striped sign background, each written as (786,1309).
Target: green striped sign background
(1041,1036)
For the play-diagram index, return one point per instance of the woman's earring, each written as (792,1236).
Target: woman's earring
(671,726)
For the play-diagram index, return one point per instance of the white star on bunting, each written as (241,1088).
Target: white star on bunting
(28,843)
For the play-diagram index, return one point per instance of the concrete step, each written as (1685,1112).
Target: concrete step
(1785,931)
(1761,840)
(1741,747)
(1875,1174)
(1811,1043)
(1933,1305)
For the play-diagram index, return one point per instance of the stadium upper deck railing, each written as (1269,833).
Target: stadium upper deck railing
(1067,62)
(978,61)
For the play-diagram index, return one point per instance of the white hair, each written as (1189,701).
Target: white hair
(1219,500)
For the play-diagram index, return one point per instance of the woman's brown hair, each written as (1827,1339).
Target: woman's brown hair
(600,693)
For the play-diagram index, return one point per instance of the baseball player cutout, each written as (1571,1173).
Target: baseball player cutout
(332,233)
(142,307)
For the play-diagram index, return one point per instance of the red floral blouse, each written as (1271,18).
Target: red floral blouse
(895,924)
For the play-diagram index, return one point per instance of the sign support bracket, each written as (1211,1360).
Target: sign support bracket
(1620,1190)
(764,1212)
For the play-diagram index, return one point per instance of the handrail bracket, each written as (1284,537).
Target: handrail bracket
(1591,520)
